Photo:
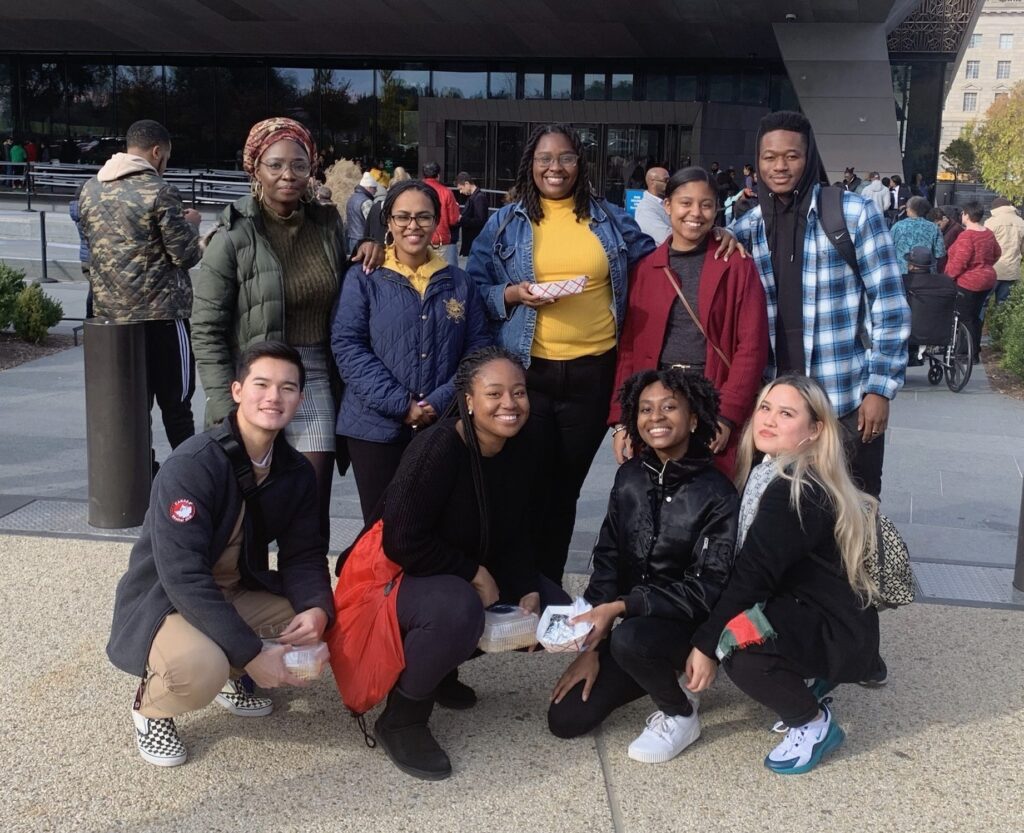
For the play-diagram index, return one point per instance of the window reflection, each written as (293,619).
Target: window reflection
(594,87)
(6,121)
(347,105)
(43,113)
(398,95)
(622,87)
(140,95)
(502,85)
(241,102)
(460,84)
(533,85)
(90,91)
(191,117)
(293,93)
(561,85)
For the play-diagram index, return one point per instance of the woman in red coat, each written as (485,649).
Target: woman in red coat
(730,345)
(971,264)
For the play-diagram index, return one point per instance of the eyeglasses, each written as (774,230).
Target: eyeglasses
(276,166)
(404,219)
(566,160)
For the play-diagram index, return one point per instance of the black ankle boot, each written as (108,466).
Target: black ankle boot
(402,732)
(451,694)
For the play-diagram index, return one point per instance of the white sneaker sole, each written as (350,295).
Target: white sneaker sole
(227,705)
(158,760)
(659,757)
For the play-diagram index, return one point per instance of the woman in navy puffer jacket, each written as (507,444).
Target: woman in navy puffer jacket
(398,336)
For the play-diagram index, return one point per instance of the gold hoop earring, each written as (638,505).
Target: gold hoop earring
(256,189)
(390,242)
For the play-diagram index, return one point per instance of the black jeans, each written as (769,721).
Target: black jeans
(865,459)
(373,464)
(171,376)
(969,305)
(643,655)
(773,681)
(441,619)
(568,421)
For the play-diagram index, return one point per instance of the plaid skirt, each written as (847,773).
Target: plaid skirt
(312,427)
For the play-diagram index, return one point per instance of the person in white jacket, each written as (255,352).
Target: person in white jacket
(877,193)
(1008,227)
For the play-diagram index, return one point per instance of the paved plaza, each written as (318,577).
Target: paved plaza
(940,748)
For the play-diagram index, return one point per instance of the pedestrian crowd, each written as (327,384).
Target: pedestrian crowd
(745,372)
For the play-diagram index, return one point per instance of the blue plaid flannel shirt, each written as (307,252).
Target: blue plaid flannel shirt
(832,299)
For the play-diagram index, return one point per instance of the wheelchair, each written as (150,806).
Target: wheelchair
(936,325)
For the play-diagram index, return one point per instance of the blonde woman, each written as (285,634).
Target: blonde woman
(798,604)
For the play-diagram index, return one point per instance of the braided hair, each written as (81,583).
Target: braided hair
(466,374)
(525,189)
(698,392)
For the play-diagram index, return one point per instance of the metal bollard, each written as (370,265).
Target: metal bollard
(1018,573)
(42,245)
(118,436)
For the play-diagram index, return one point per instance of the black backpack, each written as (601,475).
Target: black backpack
(833,222)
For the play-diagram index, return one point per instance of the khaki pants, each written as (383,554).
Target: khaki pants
(187,669)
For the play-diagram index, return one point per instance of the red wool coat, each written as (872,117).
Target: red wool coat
(971,260)
(732,309)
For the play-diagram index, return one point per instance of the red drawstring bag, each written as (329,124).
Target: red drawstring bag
(365,642)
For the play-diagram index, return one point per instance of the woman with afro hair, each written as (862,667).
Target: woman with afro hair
(663,556)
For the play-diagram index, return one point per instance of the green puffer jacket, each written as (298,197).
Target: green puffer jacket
(239,293)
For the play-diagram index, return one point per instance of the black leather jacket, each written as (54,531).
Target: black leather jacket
(666,544)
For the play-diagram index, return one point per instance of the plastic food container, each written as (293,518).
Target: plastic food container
(508,628)
(556,634)
(307,662)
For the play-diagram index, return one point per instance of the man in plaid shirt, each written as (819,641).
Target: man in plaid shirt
(819,310)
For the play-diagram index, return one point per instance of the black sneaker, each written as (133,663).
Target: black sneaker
(878,678)
(158,741)
(239,699)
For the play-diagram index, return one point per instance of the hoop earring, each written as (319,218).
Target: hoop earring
(390,242)
(437,247)
(256,189)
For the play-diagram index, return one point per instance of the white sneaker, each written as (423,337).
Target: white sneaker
(665,737)
(238,700)
(158,741)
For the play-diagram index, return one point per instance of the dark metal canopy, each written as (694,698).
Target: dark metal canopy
(473,29)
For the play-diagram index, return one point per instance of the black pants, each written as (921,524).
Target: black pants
(373,464)
(568,420)
(642,656)
(969,305)
(441,619)
(171,376)
(865,459)
(773,681)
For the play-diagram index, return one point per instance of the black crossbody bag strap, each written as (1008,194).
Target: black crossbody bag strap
(833,222)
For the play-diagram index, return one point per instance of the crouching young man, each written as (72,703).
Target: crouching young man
(198,584)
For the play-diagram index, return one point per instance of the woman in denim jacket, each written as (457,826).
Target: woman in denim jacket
(557,231)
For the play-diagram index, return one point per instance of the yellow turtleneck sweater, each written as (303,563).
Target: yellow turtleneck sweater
(575,325)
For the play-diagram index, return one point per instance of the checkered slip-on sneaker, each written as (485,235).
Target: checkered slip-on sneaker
(240,701)
(158,741)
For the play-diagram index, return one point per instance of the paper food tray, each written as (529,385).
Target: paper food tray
(556,634)
(559,289)
(508,628)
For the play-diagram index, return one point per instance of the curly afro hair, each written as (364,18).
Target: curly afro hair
(698,392)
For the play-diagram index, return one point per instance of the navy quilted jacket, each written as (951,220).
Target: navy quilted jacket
(390,346)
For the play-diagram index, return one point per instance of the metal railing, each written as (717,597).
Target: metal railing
(36,179)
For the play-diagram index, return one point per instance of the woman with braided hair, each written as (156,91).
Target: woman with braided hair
(663,556)
(460,543)
(272,272)
(556,230)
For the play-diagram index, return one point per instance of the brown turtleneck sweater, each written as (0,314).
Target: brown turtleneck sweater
(310,285)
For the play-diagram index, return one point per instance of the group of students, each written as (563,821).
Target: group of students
(471,404)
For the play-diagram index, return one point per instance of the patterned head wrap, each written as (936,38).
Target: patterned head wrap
(269,131)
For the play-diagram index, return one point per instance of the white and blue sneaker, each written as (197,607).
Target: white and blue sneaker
(804,746)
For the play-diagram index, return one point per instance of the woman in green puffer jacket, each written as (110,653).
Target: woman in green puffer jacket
(272,271)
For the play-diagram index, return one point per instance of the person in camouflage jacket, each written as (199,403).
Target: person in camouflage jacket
(143,242)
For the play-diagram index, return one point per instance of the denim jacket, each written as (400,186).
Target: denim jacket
(503,255)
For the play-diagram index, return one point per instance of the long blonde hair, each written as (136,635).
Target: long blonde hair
(822,461)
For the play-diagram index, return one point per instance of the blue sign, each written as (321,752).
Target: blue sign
(633,197)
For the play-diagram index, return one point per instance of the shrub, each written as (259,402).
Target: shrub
(35,313)
(1008,332)
(12,281)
